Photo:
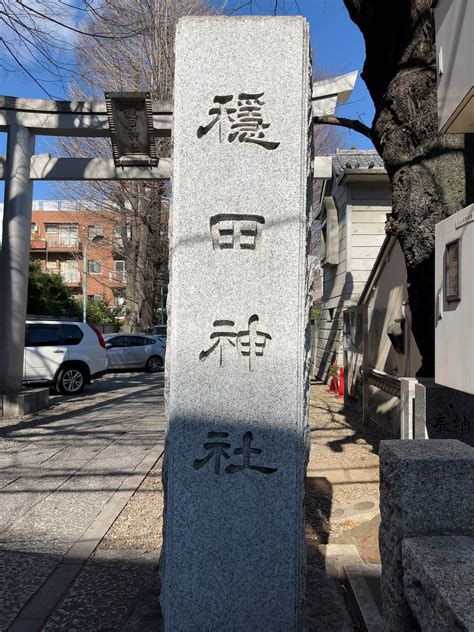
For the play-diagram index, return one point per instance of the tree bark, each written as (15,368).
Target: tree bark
(427,169)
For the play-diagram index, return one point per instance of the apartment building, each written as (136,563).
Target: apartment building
(64,237)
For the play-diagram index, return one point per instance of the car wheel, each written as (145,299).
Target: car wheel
(154,364)
(71,380)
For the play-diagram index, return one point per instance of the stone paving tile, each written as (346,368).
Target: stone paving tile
(104,593)
(135,540)
(34,484)
(20,576)
(30,454)
(61,469)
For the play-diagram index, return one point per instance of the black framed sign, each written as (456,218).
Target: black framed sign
(452,272)
(131,128)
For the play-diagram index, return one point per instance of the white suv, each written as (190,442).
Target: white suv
(67,354)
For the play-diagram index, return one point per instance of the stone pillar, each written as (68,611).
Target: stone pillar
(425,490)
(407,399)
(443,413)
(15,257)
(238,343)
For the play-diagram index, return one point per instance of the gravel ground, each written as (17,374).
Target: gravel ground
(140,524)
(344,448)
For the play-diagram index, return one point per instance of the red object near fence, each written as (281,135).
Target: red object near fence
(341,382)
(333,387)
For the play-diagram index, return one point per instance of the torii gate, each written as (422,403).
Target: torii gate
(23,119)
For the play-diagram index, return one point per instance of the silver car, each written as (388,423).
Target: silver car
(135,351)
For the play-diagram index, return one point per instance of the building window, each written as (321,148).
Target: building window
(51,265)
(118,234)
(94,267)
(119,274)
(70,271)
(62,235)
(95,231)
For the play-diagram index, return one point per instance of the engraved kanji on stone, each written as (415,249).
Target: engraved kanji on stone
(221,112)
(252,342)
(441,424)
(217,451)
(244,122)
(220,337)
(236,231)
(249,127)
(461,424)
(246,451)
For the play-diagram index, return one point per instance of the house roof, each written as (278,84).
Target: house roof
(356,159)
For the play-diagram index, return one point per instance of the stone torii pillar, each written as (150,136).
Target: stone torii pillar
(15,257)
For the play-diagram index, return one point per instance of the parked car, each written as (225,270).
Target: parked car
(135,351)
(65,354)
(159,330)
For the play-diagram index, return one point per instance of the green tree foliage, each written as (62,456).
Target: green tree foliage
(99,312)
(48,296)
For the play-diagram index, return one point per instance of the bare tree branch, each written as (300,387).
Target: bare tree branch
(139,210)
(357,126)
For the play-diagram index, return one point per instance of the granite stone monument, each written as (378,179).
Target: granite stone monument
(237,365)
(425,491)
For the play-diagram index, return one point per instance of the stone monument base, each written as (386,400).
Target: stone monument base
(443,413)
(23,403)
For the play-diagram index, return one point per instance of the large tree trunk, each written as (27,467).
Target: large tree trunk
(427,169)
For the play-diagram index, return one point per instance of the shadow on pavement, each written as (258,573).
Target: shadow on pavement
(144,385)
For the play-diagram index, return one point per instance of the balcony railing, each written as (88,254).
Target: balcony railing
(63,241)
(118,277)
(68,276)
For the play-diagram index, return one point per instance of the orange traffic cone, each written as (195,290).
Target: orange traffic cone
(341,382)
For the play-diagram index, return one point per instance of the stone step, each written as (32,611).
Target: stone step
(364,589)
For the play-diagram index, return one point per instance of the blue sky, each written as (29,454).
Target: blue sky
(338,48)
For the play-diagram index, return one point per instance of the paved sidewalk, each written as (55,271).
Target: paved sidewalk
(65,476)
(343,476)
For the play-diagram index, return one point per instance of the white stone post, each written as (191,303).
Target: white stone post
(238,339)
(14,259)
(407,400)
